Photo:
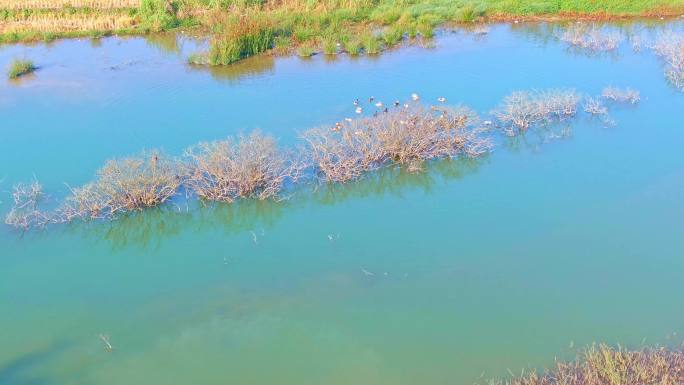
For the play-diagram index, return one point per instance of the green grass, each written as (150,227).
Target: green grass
(294,23)
(371,44)
(244,39)
(306,51)
(20,68)
(329,45)
(353,46)
(392,36)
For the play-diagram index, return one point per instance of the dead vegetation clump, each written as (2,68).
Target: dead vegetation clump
(620,95)
(594,106)
(603,365)
(123,185)
(406,136)
(524,109)
(670,48)
(25,213)
(591,38)
(253,166)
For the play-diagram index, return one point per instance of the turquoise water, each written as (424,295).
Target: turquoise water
(447,277)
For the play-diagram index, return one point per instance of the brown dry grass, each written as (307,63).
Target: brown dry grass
(59,4)
(604,365)
(63,22)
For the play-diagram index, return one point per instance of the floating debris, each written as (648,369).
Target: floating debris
(105,340)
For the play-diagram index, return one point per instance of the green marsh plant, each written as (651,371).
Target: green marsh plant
(20,67)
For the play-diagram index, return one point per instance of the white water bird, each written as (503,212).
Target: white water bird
(347,119)
(396,103)
(379,105)
(441,99)
(359,110)
(356,102)
(415,96)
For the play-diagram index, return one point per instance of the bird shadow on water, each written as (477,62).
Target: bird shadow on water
(22,370)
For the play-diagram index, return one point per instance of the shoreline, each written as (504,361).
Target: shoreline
(193,26)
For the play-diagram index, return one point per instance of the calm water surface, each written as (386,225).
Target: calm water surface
(465,271)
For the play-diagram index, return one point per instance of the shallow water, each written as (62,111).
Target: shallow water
(463,272)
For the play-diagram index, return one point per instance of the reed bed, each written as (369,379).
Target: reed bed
(60,4)
(604,365)
(524,109)
(243,38)
(591,38)
(251,166)
(670,48)
(404,136)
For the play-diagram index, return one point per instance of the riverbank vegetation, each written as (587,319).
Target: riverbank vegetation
(243,27)
(604,365)
(20,67)
(405,136)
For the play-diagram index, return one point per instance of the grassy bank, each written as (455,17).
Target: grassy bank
(242,28)
(604,365)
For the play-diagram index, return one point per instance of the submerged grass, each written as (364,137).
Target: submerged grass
(20,67)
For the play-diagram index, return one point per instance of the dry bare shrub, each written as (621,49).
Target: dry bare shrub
(523,109)
(124,185)
(252,166)
(670,48)
(626,95)
(603,365)
(591,38)
(25,213)
(405,136)
(594,106)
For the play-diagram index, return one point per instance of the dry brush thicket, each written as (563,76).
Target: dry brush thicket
(621,95)
(591,38)
(524,109)
(603,365)
(407,136)
(670,48)
(123,185)
(254,166)
(25,213)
